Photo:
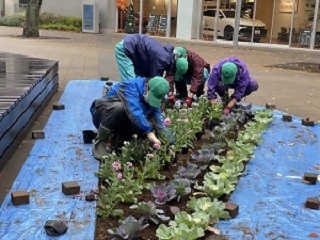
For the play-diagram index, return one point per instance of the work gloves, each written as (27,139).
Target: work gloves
(226,111)
(152,138)
(188,101)
(171,98)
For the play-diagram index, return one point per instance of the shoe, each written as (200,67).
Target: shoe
(99,146)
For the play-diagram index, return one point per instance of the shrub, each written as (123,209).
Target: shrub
(46,21)
(14,20)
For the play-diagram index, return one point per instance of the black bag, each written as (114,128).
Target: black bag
(55,227)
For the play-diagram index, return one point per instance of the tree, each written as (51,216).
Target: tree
(129,27)
(31,28)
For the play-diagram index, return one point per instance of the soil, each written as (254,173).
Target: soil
(300,66)
(149,233)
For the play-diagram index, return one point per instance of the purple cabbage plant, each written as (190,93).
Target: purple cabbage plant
(128,229)
(163,193)
(150,212)
(190,172)
(217,147)
(202,157)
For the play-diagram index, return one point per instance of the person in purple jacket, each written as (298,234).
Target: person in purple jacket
(230,73)
(140,55)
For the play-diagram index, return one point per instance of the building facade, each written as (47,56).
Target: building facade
(274,23)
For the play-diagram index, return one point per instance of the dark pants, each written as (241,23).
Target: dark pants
(111,114)
(252,86)
(181,89)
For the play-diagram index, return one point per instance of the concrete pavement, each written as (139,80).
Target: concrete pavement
(90,56)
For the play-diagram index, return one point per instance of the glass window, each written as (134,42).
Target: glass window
(209,13)
(229,14)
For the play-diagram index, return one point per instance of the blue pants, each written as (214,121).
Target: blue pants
(125,65)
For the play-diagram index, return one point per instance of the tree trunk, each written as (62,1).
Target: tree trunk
(30,28)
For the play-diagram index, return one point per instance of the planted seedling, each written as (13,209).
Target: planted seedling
(247,109)
(181,186)
(128,229)
(230,121)
(150,212)
(214,209)
(202,157)
(179,231)
(307,122)
(215,185)
(217,147)
(163,193)
(190,172)
(197,219)
(219,134)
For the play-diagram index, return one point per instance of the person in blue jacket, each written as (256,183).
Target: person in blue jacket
(143,56)
(130,107)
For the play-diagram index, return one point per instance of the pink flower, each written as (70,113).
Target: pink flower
(116,166)
(129,164)
(156,146)
(167,122)
(149,155)
(119,176)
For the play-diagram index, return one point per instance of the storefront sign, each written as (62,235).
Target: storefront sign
(287,5)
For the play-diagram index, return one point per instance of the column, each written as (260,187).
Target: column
(169,7)
(187,19)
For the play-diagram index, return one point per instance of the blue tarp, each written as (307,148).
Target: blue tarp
(61,156)
(271,203)
(270,195)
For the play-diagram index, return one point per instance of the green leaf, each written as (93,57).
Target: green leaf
(164,233)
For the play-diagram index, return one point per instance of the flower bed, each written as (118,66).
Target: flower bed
(164,194)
